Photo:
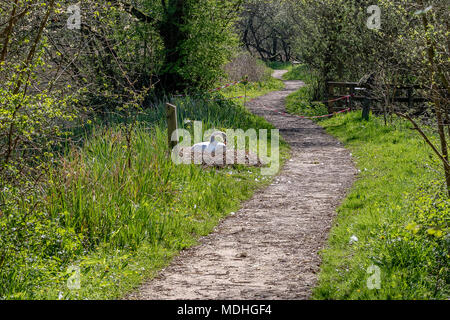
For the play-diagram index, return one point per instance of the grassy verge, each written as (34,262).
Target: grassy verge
(115,212)
(397,210)
(301,102)
(277,65)
(298,72)
(252,90)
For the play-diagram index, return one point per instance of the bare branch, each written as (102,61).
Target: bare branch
(425,137)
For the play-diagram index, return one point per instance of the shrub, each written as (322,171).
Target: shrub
(244,64)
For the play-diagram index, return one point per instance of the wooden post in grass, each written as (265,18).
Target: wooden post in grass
(172,125)
(245,83)
(330,96)
(410,98)
(367,83)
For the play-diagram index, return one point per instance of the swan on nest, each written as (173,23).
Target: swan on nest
(213,145)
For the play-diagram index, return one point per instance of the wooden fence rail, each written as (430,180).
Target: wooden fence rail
(361,93)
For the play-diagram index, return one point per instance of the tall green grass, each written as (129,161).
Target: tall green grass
(299,72)
(252,90)
(302,102)
(278,65)
(120,211)
(397,209)
(116,208)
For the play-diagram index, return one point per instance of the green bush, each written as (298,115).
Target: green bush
(300,103)
(299,72)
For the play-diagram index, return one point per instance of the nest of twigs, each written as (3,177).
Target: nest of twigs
(220,160)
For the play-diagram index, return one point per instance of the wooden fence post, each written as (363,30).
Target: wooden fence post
(352,94)
(366,108)
(172,124)
(410,98)
(330,93)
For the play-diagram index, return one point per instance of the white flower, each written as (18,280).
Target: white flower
(353,239)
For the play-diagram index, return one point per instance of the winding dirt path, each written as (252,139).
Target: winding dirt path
(268,249)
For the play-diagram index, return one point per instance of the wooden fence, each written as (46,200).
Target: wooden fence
(335,90)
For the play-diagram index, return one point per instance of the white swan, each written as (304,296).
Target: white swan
(213,145)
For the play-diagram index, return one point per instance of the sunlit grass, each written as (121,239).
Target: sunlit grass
(278,65)
(301,102)
(252,90)
(395,167)
(155,206)
(121,211)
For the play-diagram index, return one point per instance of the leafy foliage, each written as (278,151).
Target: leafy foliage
(56,82)
(303,102)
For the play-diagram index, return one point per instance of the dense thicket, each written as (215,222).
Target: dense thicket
(120,56)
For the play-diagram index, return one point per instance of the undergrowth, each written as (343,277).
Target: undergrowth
(395,218)
(302,102)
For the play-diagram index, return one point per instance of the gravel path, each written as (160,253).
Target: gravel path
(268,249)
